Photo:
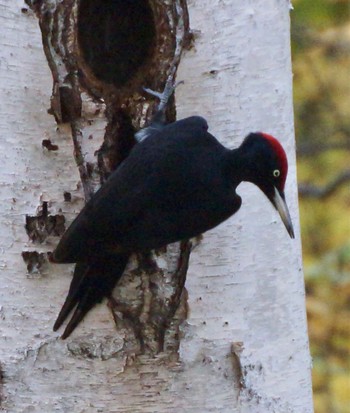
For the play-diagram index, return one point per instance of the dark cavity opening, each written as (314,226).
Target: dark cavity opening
(116,37)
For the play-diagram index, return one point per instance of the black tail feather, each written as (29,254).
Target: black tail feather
(91,283)
(80,271)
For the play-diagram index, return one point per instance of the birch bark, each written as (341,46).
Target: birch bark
(244,345)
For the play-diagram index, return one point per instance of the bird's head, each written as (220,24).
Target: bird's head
(266,166)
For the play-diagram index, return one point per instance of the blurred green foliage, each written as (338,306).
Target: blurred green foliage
(321,65)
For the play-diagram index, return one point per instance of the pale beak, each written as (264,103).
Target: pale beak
(281,206)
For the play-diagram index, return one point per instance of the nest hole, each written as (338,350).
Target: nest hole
(116,38)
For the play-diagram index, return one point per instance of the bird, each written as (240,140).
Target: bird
(177,182)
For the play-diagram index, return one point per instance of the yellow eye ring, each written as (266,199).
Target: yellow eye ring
(276,173)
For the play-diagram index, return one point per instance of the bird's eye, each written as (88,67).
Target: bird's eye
(276,173)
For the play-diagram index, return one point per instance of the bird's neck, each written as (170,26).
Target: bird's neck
(239,166)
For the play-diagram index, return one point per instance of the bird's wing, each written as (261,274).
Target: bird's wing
(135,191)
(104,218)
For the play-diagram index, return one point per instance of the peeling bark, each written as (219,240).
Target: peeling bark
(42,225)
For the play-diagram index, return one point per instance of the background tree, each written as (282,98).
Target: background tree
(321,61)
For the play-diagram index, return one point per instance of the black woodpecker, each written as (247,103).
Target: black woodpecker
(177,182)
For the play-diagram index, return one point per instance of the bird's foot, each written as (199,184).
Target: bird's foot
(164,96)
(159,119)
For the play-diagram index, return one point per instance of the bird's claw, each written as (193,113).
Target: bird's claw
(159,119)
(164,96)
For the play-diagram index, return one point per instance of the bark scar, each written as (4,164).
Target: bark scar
(43,225)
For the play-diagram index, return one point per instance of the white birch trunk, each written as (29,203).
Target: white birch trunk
(244,345)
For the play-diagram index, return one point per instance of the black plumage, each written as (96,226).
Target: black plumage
(176,184)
